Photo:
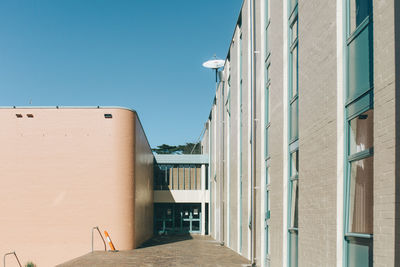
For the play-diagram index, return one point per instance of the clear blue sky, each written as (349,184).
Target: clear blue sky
(141,54)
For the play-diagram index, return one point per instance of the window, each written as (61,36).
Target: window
(267,109)
(361,136)
(361,197)
(228,99)
(294,124)
(267,83)
(359,176)
(293,127)
(360,63)
(240,177)
(294,185)
(267,24)
(293,76)
(359,11)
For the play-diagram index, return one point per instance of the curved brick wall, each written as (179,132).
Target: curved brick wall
(63,172)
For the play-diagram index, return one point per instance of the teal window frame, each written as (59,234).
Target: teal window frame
(293,98)
(267,25)
(356,104)
(240,136)
(267,125)
(228,99)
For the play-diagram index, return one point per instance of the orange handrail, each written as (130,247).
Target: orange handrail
(110,243)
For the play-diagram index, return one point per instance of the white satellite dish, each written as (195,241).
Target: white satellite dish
(214,64)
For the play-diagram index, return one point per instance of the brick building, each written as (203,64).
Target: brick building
(302,136)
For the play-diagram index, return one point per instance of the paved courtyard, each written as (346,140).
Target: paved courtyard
(166,251)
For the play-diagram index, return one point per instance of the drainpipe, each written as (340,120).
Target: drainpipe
(253,129)
(209,177)
(222,179)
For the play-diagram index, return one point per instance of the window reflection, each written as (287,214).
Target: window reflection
(362,132)
(294,31)
(360,63)
(361,196)
(359,10)
(294,205)
(294,163)
(294,121)
(294,72)
(293,249)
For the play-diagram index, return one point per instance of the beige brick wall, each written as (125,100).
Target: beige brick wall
(317,133)
(318,136)
(384,133)
(245,128)
(276,132)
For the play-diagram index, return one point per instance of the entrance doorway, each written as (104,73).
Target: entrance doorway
(177,218)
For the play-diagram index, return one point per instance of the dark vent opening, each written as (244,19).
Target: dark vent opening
(18,115)
(29,115)
(108,116)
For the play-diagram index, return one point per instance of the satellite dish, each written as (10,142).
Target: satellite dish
(214,64)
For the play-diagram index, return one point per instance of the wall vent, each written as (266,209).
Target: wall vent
(108,116)
(29,115)
(18,115)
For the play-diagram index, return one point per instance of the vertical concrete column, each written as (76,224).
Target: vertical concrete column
(203,177)
(203,201)
(339,132)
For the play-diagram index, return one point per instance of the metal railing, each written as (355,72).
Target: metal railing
(98,230)
(11,253)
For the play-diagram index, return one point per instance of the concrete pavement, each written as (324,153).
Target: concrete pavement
(184,250)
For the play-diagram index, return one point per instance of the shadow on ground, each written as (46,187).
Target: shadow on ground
(158,240)
(165,251)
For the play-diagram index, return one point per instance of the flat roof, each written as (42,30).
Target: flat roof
(181,158)
(66,107)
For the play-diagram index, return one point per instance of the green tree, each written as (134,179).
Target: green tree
(188,148)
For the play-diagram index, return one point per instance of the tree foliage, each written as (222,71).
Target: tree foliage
(188,148)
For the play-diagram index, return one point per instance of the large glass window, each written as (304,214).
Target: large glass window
(360,63)
(294,216)
(359,11)
(177,177)
(293,251)
(294,77)
(359,177)
(294,164)
(267,108)
(294,187)
(293,91)
(294,121)
(293,80)
(361,196)
(361,134)
(267,82)
(240,133)
(292,5)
